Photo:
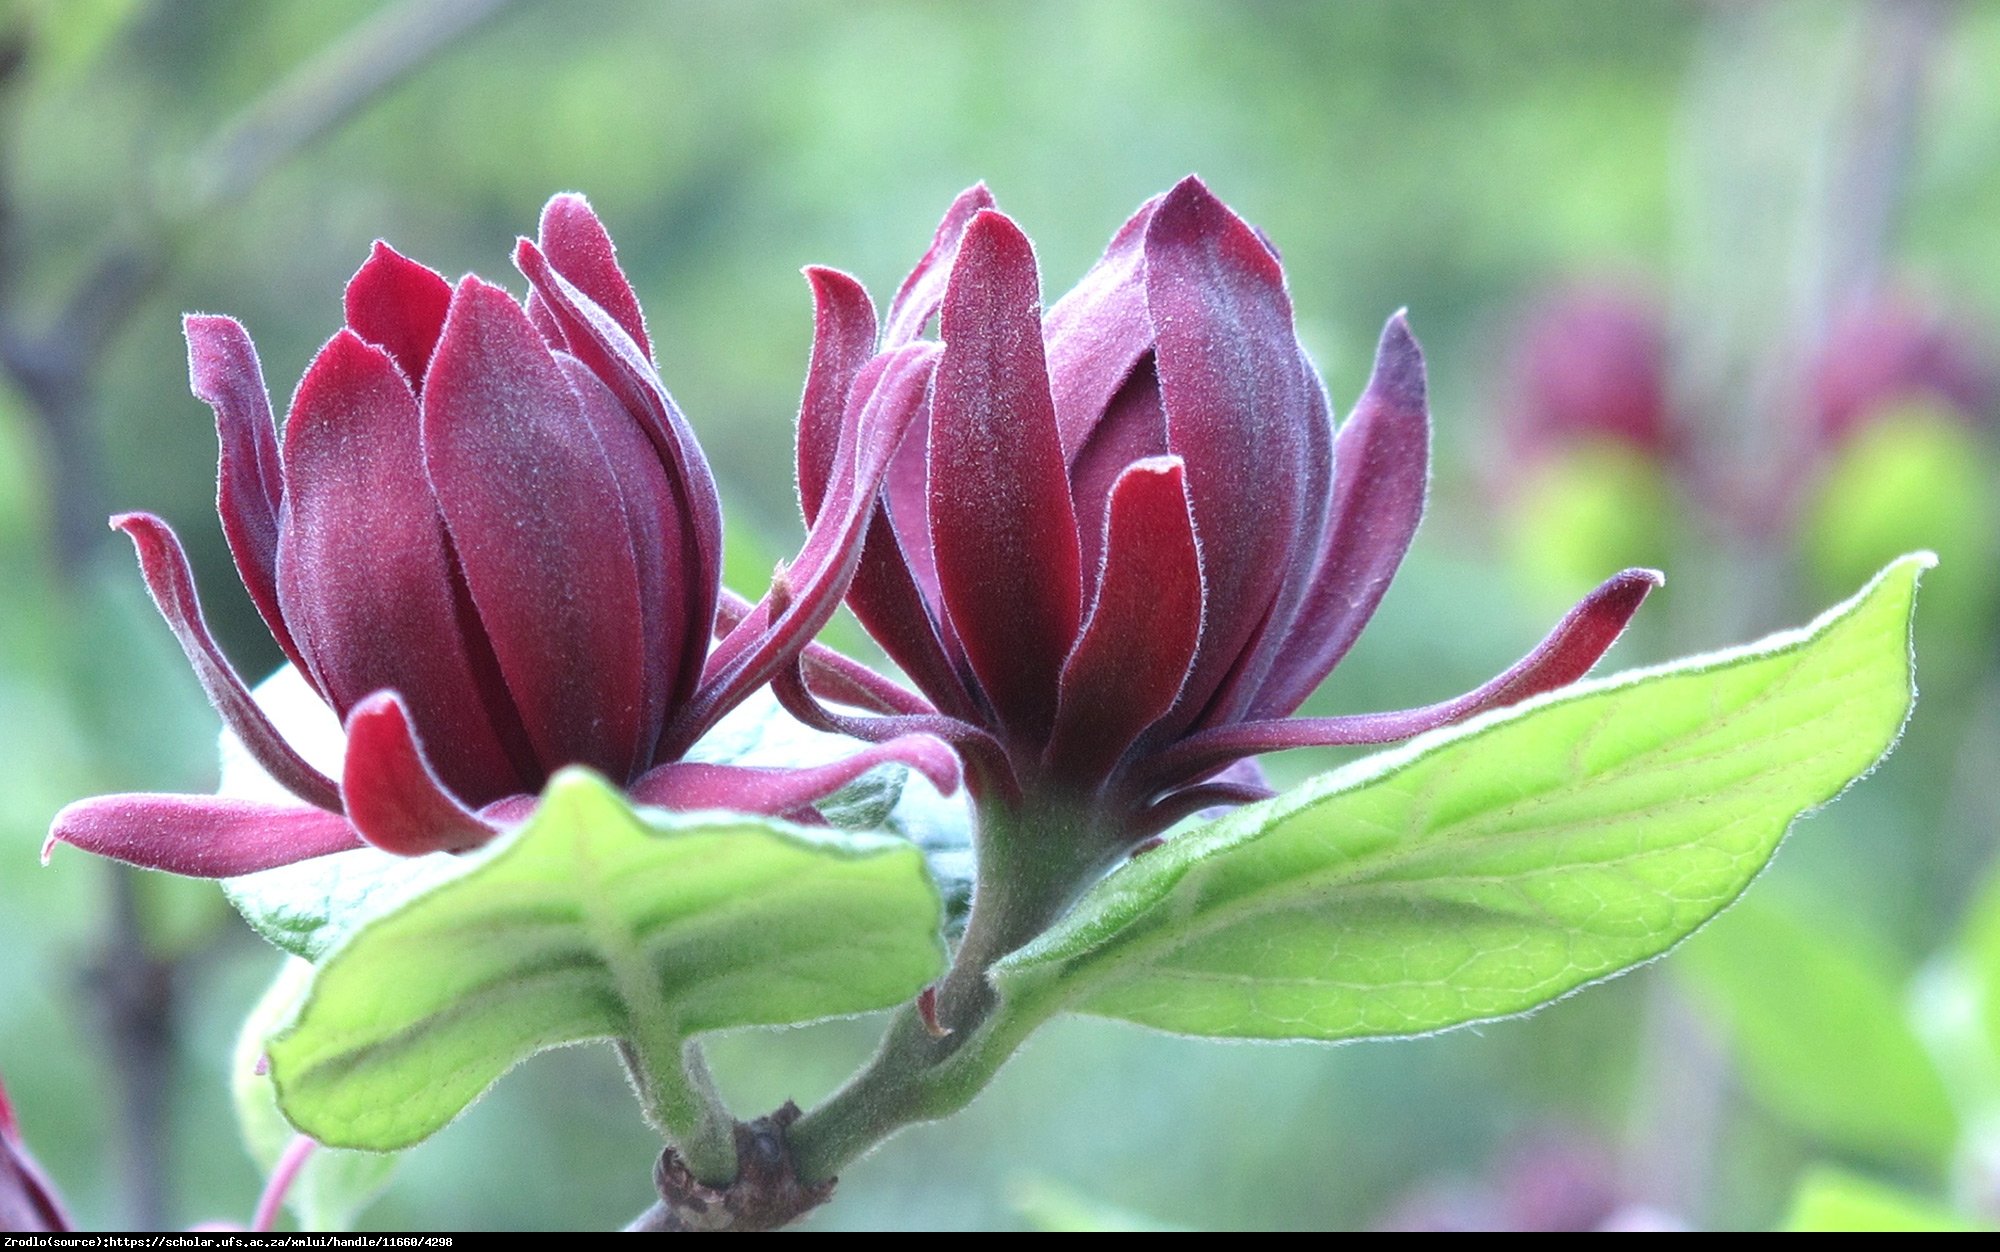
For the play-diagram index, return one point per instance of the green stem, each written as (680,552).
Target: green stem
(1032,864)
(682,1103)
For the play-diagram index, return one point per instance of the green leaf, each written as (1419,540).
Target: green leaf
(1486,869)
(598,922)
(335,1186)
(1822,1032)
(311,908)
(1834,1200)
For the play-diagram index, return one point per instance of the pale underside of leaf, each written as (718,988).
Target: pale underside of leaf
(1484,870)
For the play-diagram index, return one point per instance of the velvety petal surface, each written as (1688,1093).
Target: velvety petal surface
(394,799)
(367,580)
(199,836)
(224,374)
(833,675)
(1584,634)
(537,521)
(577,244)
(399,306)
(1133,428)
(1129,664)
(1001,521)
(843,342)
(1381,473)
(923,290)
(688,786)
(1097,332)
(171,584)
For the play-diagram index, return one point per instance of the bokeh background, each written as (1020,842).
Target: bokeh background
(1706,286)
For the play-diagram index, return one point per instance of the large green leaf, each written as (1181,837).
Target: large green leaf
(1822,1032)
(1486,869)
(593,922)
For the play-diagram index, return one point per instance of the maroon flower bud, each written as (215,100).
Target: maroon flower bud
(1894,350)
(491,544)
(1124,541)
(28,1202)
(1591,363)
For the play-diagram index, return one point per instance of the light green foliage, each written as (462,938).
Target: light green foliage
(595,922)
(1833,1200)
(335,1185)
(1489,868)
(1820,1028)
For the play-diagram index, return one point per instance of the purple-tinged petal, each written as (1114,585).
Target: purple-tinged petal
(1098,331)
(399,306)
(843,342)
(688,786)
(199,836)
(536,519)
(249,487)
(1381,471)
(921,293)
(171,583)
(990,772)
(804,596)
(597,340)
(1001,522)
(1189,801)
(1567,654)
(367,580)
(28,1200)
(1239,411)
(1134,427)
(577,244)
(394,798)
(1129,664)
(833,675)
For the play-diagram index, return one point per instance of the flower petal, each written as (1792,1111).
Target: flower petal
(1133,427)
(833,675)
(1001,521)
(250,486)
(394,798)
(1239,412)
(399,306)
(843,342)
(1381,471)
(921,293)
(1567,654)
(990,772)
(577,244)
(199,836)
(366,578)
(1128,667)
(171,584)
(688,786)
(1098,331)
(536,519)
(597,339)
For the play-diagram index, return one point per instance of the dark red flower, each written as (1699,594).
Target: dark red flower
(1124,542)
(1893,350)
(28,1202)
(1590,362)
(489,541)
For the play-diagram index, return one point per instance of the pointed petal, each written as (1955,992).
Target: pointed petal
(394,798)
(577,244)
(365,576)
(843,342)
(1381,472)
(1133,427)
(534,514)
(1098,331)
(171,584)
(399,306)
(249,486)
(1239,412)
(199,836)
(1584,634)
(833,675)
(1129,665)
(919,296)
(804,596)
(1001,522)
(990,773)
(609,352)
(688,786)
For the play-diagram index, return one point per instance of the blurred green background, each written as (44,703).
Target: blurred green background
(1752,168)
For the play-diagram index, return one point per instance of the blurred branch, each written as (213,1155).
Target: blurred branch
(57,368)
